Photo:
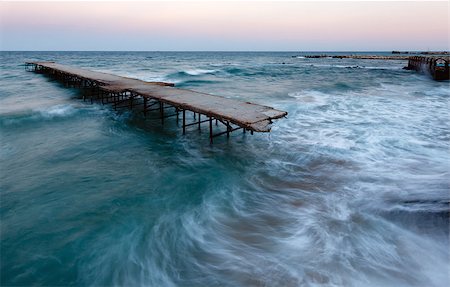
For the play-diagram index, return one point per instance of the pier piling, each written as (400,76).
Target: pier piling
(437,67)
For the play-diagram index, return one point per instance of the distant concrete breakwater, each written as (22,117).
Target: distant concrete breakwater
(436,64)
(363,57)
(396,56)
(422,53)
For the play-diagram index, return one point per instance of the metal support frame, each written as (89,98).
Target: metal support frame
(145,106)
(184,121)
(196,123)
(228,131)
(210,130)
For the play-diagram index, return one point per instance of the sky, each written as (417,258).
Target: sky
(225,26)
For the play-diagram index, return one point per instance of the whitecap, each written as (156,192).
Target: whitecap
(197,72)
(57,111)
(310,97)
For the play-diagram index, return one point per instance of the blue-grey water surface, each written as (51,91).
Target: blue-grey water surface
(351,189)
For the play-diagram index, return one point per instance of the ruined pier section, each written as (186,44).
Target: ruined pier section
(436,66)
(164,99)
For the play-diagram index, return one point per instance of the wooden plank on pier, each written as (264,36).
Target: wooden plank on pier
(247,115)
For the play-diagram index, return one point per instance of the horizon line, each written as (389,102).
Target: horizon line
(238,51)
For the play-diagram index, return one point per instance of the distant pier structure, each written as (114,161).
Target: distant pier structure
(194,108)
(434,63)
(436,66)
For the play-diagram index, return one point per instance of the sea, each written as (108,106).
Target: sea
(350,189)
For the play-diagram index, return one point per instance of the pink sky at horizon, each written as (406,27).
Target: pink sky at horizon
(193,25)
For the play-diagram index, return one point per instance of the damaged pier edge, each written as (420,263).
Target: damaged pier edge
(436,66)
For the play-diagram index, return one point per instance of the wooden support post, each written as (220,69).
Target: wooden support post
(228,129)
(199,115)
(194,115)
(131,101)
(210,131)
(177,111)
(184,121)
(216,122)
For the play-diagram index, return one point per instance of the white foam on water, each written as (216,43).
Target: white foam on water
(310,97)
(338,195)
(40,114)
(58,111)
(197,72)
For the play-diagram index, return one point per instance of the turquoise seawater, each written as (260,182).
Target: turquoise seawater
(351,189)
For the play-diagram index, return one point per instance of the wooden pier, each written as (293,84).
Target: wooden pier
(436,66)
(130,93)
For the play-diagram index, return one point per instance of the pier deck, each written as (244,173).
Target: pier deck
(132,92)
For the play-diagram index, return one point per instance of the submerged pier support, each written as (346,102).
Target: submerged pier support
(130,93)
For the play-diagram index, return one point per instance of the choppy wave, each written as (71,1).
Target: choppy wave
(351,189)
(233,70)
(62,111)
(188,73)
(58,111)
(282,239)
(196,72)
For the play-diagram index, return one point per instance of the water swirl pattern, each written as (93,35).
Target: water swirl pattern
(352,189)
